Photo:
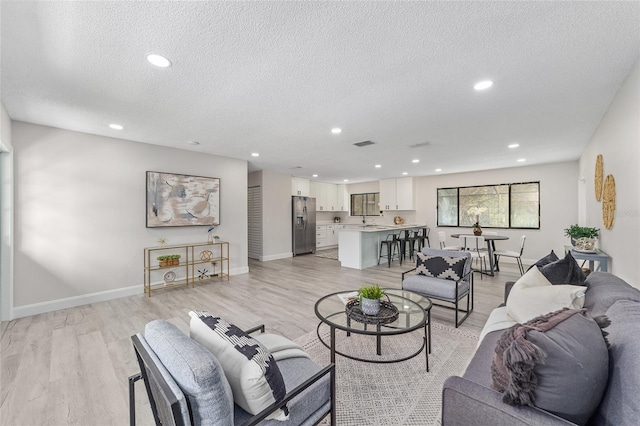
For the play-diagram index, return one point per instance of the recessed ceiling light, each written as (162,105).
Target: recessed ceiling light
(482,85)
(415,161)
(404,173)
(438,170)
(521,160)
(193,142)
(315,175)
(116,126)
(336,130)
(514,145)
(378,166)
(255,154)
(346,180)
(159,61)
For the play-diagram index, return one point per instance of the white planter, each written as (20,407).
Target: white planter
(370,306)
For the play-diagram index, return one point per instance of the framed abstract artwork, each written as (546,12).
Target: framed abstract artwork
(182,200)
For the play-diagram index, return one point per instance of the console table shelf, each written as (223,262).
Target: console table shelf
(192,256)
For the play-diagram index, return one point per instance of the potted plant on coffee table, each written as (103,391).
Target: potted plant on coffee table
(369,297)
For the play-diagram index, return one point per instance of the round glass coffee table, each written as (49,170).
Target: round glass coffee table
(414,313)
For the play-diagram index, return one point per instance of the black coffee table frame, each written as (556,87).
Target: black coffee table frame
(409,307)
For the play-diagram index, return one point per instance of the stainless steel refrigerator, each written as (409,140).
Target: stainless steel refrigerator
(304,225)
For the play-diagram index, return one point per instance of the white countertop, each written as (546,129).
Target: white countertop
(379,228)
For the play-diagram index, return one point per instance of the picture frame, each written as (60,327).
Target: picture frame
(174,200)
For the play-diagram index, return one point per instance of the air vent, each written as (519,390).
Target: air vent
(364,143)
(295,167)
(419,145)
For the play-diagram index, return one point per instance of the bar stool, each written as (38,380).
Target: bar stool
(392,245)
(423,238)
(409,239)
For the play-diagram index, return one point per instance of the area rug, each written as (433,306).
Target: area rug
(328,254)
(401,393)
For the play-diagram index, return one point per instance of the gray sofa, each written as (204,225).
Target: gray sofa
(469,400)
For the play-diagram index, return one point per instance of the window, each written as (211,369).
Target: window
(514,205)
(365,204)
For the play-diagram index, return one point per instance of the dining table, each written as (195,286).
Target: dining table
(490,239)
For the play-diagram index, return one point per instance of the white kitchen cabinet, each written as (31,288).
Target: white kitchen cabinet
(300,186)
(321,236)
(326,195)
(343,199)
(332,235)
(397,194)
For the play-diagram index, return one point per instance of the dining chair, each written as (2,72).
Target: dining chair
(488,233)
(474,244)
(442,237)
(516,255)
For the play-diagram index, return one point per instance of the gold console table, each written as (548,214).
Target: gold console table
(194,265)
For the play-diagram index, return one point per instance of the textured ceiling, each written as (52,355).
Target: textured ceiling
(275,77)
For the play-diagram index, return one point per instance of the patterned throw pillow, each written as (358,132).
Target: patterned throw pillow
(252,372)
(445,267)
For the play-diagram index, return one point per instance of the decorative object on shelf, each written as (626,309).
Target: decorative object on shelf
(182,200)
(203,274)
(598,178)
(369,297)
(210,236)
(169,260)
(576,232)
(609,202)
(162,241)
(206,255)
(585,245)
(169,277)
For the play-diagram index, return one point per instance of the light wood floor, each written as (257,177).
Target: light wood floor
(71,366)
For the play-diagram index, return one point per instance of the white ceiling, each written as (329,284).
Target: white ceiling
(275,77)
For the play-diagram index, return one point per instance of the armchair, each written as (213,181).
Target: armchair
(444,284)
(204,396)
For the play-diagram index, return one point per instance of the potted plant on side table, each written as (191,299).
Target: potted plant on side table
(582,237)
(369,297)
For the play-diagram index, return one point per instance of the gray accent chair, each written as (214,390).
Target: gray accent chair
(197,393)
(444,290)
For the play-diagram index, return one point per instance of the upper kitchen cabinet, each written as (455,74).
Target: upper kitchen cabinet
(300,186)
(329,197)
(343,200)
(397,194)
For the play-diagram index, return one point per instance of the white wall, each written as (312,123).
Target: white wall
(80,214)
(558,204)
(6,216)
(276,213)
(617,138)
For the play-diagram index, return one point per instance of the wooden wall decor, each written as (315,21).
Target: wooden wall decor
(609,202)
(598,178)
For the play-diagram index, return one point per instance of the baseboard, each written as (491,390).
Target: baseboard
(85,299)
(72,302)
(276,256)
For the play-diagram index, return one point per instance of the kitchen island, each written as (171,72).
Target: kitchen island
(358,245)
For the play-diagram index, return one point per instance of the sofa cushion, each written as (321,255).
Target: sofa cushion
(551,257)
(252,372)
(620,403)
(563,271)
(604,289)
(195,370)
(435,287)
(558,363)
(446,267)
(533,295)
